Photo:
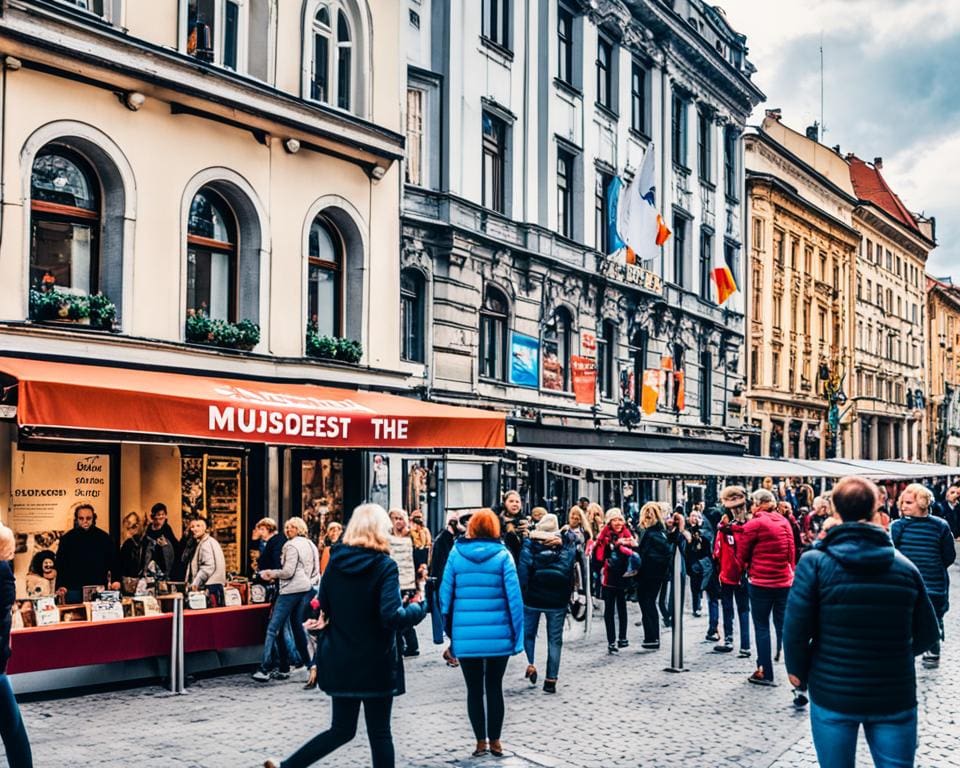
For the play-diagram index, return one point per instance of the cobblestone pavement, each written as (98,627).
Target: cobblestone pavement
(610,711)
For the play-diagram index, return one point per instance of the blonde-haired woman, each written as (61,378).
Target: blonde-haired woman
(927,541)
(357,651)
(655,553)
(298,574)
(577,529)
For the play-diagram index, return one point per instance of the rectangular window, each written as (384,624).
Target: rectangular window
(638,100)
(679,250)
(704,146)
(600,211)
(777,311)
(706,387)
(776,369)
(565,45)
(706,246)
(754,367)
(678,131)
(564,193)
(606,361)
(231,32)
(414,167)
(808,261)
(778,247)
(496,21)
(604,72)
(494,152)
(758,233)
(731,180)
(869,291)
(794,252)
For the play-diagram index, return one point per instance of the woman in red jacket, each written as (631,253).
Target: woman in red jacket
(768,553)
(733,587)
(613,551)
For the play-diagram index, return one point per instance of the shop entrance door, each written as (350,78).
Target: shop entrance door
(324,487)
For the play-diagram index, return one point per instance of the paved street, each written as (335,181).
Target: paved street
(610,711)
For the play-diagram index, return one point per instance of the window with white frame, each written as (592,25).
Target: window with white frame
(233,34)
(330,57)
(109,10)
(415,119)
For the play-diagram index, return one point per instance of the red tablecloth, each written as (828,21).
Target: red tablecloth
(82,643)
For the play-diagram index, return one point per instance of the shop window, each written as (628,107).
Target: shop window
(212,257)
(65,219)
(494,163)
(494,315)
(321,492)
(496,21)
(325,277)
(412,326)
(557,341)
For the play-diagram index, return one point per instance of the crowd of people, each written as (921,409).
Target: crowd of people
(848,586)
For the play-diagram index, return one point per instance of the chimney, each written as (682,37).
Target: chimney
(813,131)
(775,114)
(878,163)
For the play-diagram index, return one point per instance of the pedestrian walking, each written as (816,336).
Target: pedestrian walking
(698,560)
(16,744)
(767,553)
(483,615)
(949,508)
(513,524)
(733,582)
(927,542)
(857,615)
(547,561)
(454,529)
(402,552)
(330,539)
(655,551)
(613,551)
(359,662)
(422,540)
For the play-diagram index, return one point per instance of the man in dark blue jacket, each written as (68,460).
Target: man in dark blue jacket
(857,615)
(928,542)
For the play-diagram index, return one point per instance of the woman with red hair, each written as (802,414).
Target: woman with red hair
(483,615)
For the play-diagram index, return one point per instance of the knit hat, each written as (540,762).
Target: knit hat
(547,528)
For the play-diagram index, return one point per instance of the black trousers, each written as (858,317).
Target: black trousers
(615,599)
(343,727)
(485,676)
(647,590)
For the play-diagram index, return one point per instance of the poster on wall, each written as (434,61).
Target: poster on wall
(584,373)
(524,360)
(45,489)
(552,366)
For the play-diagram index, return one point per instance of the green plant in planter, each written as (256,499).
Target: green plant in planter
(103,312)
(349,351)
(249,334)
(44,305)
(225,334)
(199,327)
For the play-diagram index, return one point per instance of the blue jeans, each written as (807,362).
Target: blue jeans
(892,738)
(287,606)
(730,593)
(12,729)
(763,602)
(531,623)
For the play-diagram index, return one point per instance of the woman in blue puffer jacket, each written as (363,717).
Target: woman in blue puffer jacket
(483,615)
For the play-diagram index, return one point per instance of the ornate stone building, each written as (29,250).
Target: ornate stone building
(943,371)
(803,248)
(519,115)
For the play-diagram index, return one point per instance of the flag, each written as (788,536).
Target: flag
(722,278)
(651,391)
(679,390)
(614,241)
(641,228)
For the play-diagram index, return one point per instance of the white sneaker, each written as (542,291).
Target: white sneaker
(260,676)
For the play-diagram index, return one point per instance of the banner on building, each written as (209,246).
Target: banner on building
(524,360)
(651,391)
(584,371)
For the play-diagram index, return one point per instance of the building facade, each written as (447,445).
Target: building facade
(943,371)
(519,117)
(887,418)
(802,248)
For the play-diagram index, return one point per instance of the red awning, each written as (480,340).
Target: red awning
(104,399)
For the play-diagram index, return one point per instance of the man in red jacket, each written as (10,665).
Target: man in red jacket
(733,587)
(767,553)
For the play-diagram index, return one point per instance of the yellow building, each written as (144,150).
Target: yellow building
(943,371)
(802,246)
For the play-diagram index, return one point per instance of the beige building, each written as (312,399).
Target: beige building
(888,384)
(943,371)
(802,248)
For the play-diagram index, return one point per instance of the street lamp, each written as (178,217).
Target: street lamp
(832,377)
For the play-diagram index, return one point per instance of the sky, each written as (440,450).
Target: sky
(891,81)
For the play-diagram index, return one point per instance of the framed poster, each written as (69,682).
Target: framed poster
(524,360)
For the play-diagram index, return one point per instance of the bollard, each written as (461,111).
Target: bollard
(588,621)
(676,647)
(176,648)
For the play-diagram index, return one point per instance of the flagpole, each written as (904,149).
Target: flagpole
(663,163)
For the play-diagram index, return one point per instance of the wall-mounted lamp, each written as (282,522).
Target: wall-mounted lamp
(377,172)
(132,100)
(292,146)
(12,63)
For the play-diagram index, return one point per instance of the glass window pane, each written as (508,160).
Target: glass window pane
(58,179)
(323,16)
(343,29)
(209,217)
(323,299)
(219,286)
(322,245)
(343,78)
(319,88)
(231,30)
(65,251)
(198,279)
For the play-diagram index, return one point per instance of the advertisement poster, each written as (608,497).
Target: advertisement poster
(524,360)
(45,489)
(553,378)
(584,371)
(588,339)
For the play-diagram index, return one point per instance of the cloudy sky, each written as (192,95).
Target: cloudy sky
(891,90)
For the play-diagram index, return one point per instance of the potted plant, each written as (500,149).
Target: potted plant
(201,329)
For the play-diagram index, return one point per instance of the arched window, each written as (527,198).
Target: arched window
(556,353)
(65,208)
(325,277)
(329,55)
(412,326)
(212,257)
(494,316)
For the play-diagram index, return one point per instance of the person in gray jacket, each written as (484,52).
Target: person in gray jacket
(299,575)
(207,568)
(401,551)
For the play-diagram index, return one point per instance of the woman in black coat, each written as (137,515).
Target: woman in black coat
(14,734)
(358,661)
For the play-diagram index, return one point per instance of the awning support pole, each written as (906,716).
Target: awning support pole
(176,647)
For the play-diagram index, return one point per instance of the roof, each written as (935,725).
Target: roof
(870,185)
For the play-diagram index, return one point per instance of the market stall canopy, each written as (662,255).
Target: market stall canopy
(89,397)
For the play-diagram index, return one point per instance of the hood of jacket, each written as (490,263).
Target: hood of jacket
(859,547)
(478,550)
(355,560)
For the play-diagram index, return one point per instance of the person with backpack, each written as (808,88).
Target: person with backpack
(613,551)
(733,582)
(928,543)
(547,560)
(656,552)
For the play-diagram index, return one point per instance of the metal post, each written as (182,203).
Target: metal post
(176,647)
(588,621)
(676,649)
